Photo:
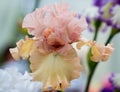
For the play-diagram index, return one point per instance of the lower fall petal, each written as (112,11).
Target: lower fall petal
(55,70)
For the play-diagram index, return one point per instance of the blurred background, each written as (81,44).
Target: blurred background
(12,13)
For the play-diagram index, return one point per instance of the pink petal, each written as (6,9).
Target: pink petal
(75,27)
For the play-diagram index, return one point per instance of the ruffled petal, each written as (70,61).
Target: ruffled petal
(15,51)
(34,22)
(96,53)
(99,52)
(55,70)
(83,42)
(76,27)
(23,49)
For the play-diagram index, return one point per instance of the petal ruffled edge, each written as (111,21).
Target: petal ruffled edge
(23,49)
(60,68)
(99,52)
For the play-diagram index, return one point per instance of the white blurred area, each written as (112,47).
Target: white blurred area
(10,11)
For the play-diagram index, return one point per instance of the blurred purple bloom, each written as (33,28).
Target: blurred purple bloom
(115,81)
(107,89)
(107,86)
(109,12)
(100,3)
(106,20)
(105,11)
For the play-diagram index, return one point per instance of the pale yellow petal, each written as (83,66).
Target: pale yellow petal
(82,43)
(55,70)
(26,48)
(96,53)
(23,49)
(14,53)
(99,52)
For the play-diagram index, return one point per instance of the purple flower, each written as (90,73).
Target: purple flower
(107,90)
(109,12)
(100,3)
(111,83)
(107,85)
(115,81)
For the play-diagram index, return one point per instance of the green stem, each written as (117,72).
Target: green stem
(97,26)
(36,5)
(90,77)
(95,36)
(90,63)
(112,34)
(92,70)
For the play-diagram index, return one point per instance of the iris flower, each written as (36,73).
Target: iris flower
(53,60)
(109,11)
